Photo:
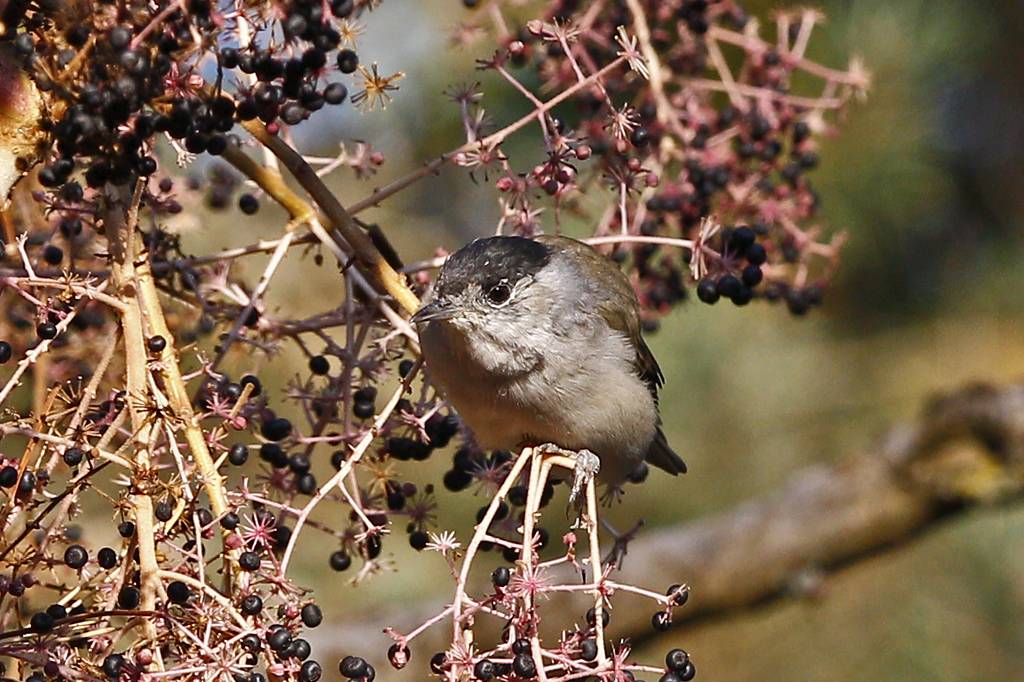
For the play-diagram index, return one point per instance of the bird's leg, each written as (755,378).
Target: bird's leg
(586,467)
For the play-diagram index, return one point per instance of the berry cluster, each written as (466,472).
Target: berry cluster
(115,80)
(740,246)
(689,136)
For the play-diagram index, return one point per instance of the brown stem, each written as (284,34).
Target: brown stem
(355,238)
(120,231)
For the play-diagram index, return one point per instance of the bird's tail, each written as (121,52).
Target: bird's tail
(664,457)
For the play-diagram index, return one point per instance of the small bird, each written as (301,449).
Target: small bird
(537,342)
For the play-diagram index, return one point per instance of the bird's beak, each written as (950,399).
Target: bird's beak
(438,309)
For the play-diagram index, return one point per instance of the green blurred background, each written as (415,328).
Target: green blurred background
(926,178)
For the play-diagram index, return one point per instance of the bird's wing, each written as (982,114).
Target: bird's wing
(618,306)
(621,310)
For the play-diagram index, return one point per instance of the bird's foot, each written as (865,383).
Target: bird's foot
(587,466)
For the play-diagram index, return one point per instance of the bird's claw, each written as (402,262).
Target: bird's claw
(587,466)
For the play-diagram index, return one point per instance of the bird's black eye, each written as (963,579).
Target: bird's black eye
(499,293)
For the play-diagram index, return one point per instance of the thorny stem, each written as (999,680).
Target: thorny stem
(180,403)
(340,218)
(33,355)
(540,463)
(539,470)
(121,235)
(339,477)
(478,536)
(495,138)
(655,78)
(596,570)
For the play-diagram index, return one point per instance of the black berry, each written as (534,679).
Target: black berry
(251,643)
(163,510)
(107,558)
(300,649)
(681,592)
(661,621)
(46,331)
(340,560)
(592,620)
(729,285)
(41,622)
(524,666)
(311,671)
(238,454)
(676,660)
(707,291)
(640,137)
(501,576)
(257,387)
(319,365)
(27,483)
(53,254)
(279,639)
(306,484)
(249,561)
(178,592)
(751,275)
(353,667)
(252,605)
(73,456)
(418,540)
(335,93)
(276,429)
(441,429)
(755,254)
(113,664)
(274,455)
(75,556)
(128,598)
(311,615)
(484,670)
(8,477)
(741,238)
(348,61)
(457,479)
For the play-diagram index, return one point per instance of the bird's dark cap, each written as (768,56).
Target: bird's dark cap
(490,260)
